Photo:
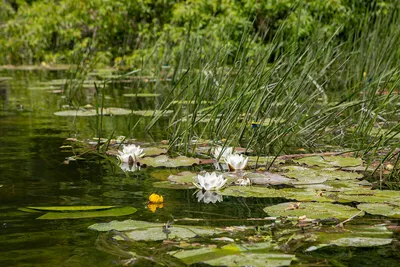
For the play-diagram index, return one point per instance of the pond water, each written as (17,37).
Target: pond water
(35,172)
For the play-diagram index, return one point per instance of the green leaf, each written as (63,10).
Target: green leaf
(154,151)
(169,185)
(147,231)
(150,113)
(381,209)
(329,161)
(183,177)
(314,176)
(165,161)
(88,214)
(312,210)
(141,95)
(71,208)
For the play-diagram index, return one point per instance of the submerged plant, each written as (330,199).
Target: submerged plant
(210,182)
(130,153)
(236,162)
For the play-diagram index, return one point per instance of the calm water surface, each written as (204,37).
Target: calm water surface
(33,173)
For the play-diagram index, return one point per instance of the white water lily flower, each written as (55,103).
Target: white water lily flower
(222,152)
(208,197)
(236,162)
(130,151)
(210,181)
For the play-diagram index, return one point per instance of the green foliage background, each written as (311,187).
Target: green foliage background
(123,32)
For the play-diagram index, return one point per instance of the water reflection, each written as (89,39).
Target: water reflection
(208,197)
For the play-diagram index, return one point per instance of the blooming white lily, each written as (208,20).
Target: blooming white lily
(222,152)
(236,162)
(130,151)
(210,181)
(245,181)
(208,196)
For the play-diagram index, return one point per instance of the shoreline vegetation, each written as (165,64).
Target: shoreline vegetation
(265,75)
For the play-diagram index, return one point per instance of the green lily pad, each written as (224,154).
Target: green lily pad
(308,195)
(381,209)
(170,185)
(329,161)
(154,151)
(141,95)
(92,112)
(252,191)
(116,111)
(354,236)
(146,231)
(268,178)
(183,178)
(126,225)
(165,161)
(88,214)
(150,113)
(191,102)
(370,196)
(72,208)
(313,210)
(315,176)
(163,174)
(262,161)
(236,255)
(76,113)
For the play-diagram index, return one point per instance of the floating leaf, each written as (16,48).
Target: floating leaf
(354,236)
(381,209)
(268,178)
(312,210)
(93,112)
(263,161)
(183,177)
(170,185)
(71,208)
(149,113)
(76,113)
(123,225)
(141,95)
(88,214)
(165,161)
(235,255)
(154,151)
(139,230)
(252,191)
(315,176)
(308,195)
(327,161)
(371,196)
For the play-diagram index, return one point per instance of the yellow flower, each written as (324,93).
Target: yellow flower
(154,198)
(152,207)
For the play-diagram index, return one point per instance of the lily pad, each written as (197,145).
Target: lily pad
(71,208)
(116,111)
(141,95)
(123,225)
(315,176)
(170,185)
(354,236)
(76,113)
(313,210)
(150,113)
(146,231)
(263,161)
(235,255)
(154,151)
(327,161)
(370,196)
(183,177)
(165,161)
(88,214)
(381,209)
(252,191)
(268,178)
